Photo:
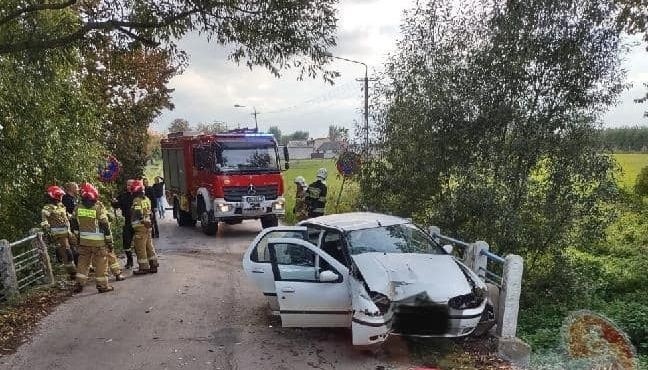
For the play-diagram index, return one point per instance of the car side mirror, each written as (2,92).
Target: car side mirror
(286,154)
(328,276)
(447,248)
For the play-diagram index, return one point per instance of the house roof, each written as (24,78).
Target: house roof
(330,145)
(299,144)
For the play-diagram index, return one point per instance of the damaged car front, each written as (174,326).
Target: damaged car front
(404,283)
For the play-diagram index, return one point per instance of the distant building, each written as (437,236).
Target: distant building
(329,149)
(300,149)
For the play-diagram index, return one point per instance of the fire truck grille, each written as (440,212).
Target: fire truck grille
(236,193)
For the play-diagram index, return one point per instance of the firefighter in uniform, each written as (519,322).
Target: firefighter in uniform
(316,194)
(124,202)
(95,239)
(56,222)
(301,210)
(114,266)
(141,220)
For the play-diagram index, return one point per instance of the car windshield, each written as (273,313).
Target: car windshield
(259,158)
(403,238)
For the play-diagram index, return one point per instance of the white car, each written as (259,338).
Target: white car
(377,274)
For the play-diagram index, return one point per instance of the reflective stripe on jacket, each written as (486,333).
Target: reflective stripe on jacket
(94,229)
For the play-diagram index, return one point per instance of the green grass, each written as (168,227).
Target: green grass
(153,170)
(631,165)
(308,168)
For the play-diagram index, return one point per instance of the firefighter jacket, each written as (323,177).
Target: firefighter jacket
(316,198)
(301,209)
(92,226)
(55,219)
(141,212)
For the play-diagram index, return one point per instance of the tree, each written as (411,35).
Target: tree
(297,135)
(641,184)
(268,33)
(274,130)
(179,125)
(130,83)
(153,148)
(212,127)
(486,122)
(633,17)
(338,133)
(49,134)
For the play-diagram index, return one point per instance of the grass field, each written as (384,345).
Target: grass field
(631,165)
(308,168)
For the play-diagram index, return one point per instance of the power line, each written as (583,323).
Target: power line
(333,93)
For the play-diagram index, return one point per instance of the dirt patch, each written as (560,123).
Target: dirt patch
(468,354)
(19,317)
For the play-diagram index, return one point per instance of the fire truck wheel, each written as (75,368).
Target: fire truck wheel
(269,221)
(208,227)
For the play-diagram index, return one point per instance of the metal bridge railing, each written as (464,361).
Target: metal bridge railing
(24,263)
(503,273)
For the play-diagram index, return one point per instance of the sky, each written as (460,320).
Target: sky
(211,85)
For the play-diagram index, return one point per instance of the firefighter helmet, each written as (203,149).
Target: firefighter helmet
(322,173)
(300,180)
(55,192)
(129,185)
(88,191)
(137,186)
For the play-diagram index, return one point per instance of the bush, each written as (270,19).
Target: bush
(641,184)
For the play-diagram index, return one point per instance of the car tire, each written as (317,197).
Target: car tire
(269,221)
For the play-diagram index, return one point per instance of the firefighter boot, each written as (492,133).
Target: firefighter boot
(153,263)
(129,260)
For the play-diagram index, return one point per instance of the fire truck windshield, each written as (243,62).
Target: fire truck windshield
(248,157)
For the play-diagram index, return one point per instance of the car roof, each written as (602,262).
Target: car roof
(355,221)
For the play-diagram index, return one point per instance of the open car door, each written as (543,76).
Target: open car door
(312,287)
(256,260)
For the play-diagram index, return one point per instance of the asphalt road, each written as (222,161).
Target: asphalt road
(198,312)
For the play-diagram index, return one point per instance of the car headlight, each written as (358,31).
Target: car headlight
(381,301)
(224,207)
(278,206)
(466,301)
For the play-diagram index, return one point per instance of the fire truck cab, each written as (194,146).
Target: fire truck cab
(225,177)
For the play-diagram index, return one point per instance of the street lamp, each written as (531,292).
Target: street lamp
(256,125)
(366,98)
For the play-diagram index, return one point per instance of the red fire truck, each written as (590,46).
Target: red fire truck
(225,177)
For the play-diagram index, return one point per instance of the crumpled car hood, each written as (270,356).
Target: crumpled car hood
(403,275)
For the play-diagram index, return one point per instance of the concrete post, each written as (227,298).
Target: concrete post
(434,232)
(41,248)
(509,300)
(7,270)
(475,260)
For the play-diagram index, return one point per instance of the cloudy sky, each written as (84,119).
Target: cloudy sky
(211,86)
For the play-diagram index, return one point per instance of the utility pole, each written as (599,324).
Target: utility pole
(366,100)
(256,125)
(255,113)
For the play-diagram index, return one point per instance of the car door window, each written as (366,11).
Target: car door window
(333,244)
(260,253)
(298,263)
(295,262)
